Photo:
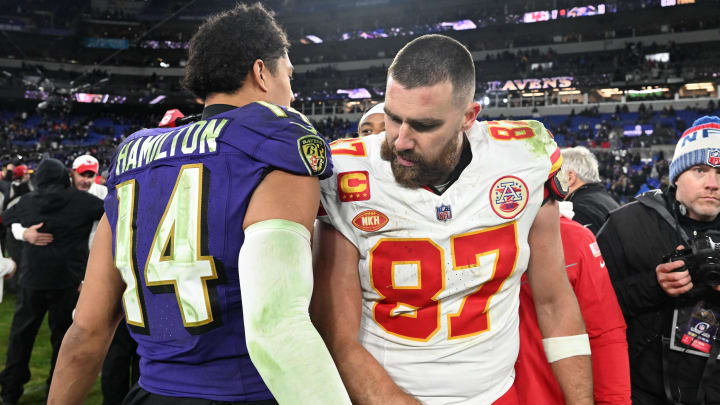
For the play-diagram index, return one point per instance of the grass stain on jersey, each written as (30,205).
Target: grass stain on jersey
(542,143)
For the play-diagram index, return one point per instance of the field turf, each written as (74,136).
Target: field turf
(40,360)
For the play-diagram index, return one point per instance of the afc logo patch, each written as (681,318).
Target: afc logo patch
(508,196)
(353,186)
(713,158)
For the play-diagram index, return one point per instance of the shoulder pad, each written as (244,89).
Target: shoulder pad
(283,138)
(557,186)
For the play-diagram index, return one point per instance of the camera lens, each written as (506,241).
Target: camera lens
(712,278)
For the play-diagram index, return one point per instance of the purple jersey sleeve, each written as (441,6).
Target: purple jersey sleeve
(285,140)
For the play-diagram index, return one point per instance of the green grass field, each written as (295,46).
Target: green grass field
(40,361)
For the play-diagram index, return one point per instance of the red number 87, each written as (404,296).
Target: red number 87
(422,320)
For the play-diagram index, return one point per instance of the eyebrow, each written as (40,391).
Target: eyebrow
(422,122)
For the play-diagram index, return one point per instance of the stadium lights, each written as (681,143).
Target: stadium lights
(670,3)
(707,86)
(607,93)
(532,94)
(569,91)
(647,90)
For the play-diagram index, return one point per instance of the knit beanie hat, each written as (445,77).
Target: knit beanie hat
(699,145)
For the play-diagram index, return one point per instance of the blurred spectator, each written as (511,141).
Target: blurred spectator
(84,170)
(5,180)
(590,199)
(52,271)
(373,121)
(604,322)
(20,185)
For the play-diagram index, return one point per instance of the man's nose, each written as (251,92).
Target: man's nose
(405,139)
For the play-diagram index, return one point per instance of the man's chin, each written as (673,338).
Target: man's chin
(405,177)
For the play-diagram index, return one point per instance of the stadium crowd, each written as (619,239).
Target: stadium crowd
(624,169)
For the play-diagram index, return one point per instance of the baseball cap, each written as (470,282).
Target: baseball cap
(20,171)
(85,163)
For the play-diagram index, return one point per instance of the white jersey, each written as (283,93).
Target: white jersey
(98,190)
(440,274)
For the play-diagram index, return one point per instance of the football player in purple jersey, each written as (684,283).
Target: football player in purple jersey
(205,245)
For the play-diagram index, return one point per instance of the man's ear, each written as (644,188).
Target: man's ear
(572,178)
(471,114)
(257,74)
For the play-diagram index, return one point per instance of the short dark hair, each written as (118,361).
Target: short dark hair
(432,59)
(227,44)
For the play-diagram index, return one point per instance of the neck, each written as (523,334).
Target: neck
(239,98)
(462,160)
(575,186)
(458,153)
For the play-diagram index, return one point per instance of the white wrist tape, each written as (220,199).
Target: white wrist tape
(561,347)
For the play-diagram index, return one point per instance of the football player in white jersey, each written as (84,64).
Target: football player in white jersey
(426,233)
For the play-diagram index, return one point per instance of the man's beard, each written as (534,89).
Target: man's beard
(422,172)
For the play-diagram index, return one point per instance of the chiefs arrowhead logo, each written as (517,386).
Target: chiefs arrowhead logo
(370,220)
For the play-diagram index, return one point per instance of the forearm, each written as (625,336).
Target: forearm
(295,364)
(366,380)
(78,366)
(275,267)
(18,230)
(574,374)
(561,317)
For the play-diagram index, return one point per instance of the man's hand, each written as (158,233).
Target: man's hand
(672,282)
(33,237)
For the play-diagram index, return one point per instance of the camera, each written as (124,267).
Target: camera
(701,257)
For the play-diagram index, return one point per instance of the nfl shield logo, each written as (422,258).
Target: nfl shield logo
(444,213)
(714,157)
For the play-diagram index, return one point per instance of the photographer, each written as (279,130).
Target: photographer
(672,313)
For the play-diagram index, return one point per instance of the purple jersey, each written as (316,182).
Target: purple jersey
(176,203)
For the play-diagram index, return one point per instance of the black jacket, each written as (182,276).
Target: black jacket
(592,204)
(68,214)
(633,242)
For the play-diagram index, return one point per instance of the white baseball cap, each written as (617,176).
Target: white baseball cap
(86,163)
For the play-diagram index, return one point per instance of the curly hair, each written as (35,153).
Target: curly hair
(227,44)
